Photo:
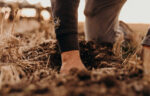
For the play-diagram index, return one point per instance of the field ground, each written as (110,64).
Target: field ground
(140,28)
(30,60)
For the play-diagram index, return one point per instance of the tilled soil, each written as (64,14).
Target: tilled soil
(107,75)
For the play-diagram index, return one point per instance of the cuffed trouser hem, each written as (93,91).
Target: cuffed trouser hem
(146,41)
(68,42)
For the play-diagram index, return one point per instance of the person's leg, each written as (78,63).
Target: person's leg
(65,15)
(146,41)
(101,23)
(146,54)
(65,18)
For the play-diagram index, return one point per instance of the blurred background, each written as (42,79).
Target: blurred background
(134,11)
(30,15)
(26,8)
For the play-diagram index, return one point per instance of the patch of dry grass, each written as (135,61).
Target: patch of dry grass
(15,70)
(12,45)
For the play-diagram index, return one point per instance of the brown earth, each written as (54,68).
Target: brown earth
(29,66)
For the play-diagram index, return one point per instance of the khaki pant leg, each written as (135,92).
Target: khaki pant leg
(101,23)
(146,41)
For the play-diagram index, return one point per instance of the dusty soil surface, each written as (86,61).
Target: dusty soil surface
(35,71)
